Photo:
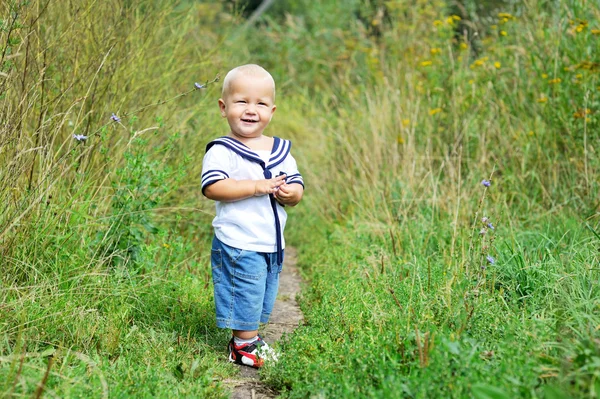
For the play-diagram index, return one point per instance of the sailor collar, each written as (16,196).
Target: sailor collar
(281,148)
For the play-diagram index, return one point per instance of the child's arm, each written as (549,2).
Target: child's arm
(289,194)
(229,190)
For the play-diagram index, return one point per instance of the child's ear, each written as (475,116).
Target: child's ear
(222,107)
(272,111)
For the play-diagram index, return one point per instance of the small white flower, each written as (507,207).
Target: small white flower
(80,137)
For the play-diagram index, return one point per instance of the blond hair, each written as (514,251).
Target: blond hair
(251,70)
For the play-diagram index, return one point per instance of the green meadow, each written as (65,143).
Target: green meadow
(449,235)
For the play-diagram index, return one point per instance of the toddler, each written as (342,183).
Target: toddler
(251,177)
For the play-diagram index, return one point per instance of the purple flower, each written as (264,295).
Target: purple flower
(490,225)
(80,137)
(115,118)
(486,183)
(490,259)
(484,219)
(199,86)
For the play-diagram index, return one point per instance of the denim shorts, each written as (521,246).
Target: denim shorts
(245,286)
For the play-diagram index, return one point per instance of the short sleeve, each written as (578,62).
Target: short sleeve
(215,165)
(291,169)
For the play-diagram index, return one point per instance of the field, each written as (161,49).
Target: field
(449,233)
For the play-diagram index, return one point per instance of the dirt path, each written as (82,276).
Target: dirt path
(285,318)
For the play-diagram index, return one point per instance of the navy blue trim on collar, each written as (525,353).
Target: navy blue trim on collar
(281,149)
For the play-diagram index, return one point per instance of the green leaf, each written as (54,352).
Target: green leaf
(484,391)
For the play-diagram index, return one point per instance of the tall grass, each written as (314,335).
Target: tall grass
(411,294)
(397,114)
(104,283)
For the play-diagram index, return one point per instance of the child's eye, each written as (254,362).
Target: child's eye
(240,102)
(262,104)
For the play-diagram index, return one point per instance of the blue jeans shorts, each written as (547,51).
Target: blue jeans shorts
(245,286)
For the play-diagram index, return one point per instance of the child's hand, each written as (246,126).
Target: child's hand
(289,194)
(268,186)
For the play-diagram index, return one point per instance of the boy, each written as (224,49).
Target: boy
(250,177)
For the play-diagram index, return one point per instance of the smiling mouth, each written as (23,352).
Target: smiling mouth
(249,120)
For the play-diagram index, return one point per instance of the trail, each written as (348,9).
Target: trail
(286,316)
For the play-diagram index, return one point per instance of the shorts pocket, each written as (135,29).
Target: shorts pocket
(250,265)
(216,262)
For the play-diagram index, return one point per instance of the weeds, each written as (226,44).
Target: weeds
(429,275)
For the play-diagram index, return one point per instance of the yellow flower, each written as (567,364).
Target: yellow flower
(464,46)
(555,81)
(497,65)
(531,133)
(595,31)
(456,18)
(426,63)
(450,20)
(437,22)
(405,122)
(165,245)
(478,62)
(494,26)
(578,76)
(582,113)
(503,33)
(504,20)
(435,111)
(435,51)
(580,28)
(544,76)
(542,99)
(471,81)
(400,140)
(504,15)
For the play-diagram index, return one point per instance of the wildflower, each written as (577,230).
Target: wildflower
(504,15)
(426,63)
(464,46)
(595,31)
(199,86)
(399,140)
(531,133)
(165,245)
(115,118)
(582,113)
(435,111)
(435,51)
(437,22)
(497,65)
(555,81)
(80,137)
(482,232)
(544,76)
(405,122)
(486,183)
(503,33)
(490,259)
(542,99)
(494,27)
(490,226)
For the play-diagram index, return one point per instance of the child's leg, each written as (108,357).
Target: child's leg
(245,335)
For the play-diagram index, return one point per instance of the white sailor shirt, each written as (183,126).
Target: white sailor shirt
(255,223)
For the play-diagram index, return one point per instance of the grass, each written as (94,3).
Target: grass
(396,113)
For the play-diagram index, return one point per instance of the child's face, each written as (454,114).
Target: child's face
(248,106)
